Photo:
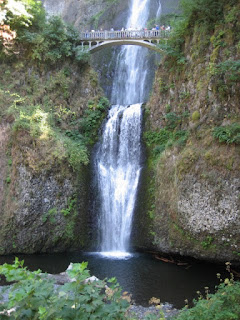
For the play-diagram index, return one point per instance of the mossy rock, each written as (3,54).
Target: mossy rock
(195,116)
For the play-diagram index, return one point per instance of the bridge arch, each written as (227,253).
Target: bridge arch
(96,46)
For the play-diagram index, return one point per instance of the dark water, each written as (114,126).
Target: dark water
(141,275)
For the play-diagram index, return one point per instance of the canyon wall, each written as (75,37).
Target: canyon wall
(192,136)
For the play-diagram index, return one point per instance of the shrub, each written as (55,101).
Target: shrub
(228,134)
(90,122)
(157,137)
(223,305)
(172,120)
(36,297)
(228,69)
(163,139)
(40,39)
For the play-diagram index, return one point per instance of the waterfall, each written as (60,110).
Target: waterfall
(118,168)
(117,158)
(159,11)
(129,82)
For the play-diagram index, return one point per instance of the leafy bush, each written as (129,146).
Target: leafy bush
(71,207)
(54,41)
(77,153)
(228,134)
(228,69)
(172,120)
(92,119)
(163,139)
(223,305)
(44,40)
(36,297)
(157,137)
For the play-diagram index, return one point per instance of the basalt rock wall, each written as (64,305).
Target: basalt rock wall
(194,176)
(43,199)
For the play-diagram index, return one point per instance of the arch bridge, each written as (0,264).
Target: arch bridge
(97,40)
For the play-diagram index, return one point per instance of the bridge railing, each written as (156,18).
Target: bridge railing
(126,34)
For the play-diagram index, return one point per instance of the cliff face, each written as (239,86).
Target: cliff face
(44,187)
(195,170)
(88,15)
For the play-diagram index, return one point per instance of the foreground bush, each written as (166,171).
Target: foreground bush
(223,305)
(34,296)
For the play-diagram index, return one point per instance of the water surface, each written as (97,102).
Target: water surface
(140,274)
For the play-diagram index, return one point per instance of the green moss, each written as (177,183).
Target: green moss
(186,161)
(195,116)
(50,215)
(179,235)
(8,179)
(207,242)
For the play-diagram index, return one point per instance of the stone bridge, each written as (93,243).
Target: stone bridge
(97,40)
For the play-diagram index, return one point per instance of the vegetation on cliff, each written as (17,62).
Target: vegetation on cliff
(193,133)
(51,108)
(39,63)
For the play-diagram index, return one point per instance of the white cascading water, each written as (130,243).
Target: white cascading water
(117,160)
(129,82)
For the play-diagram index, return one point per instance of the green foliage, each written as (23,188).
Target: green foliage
(172,120)
(71,206)
(162,139)
(172,49)
(49,215)
(200,15)
(18,14)
(36,297)
(207,242)
(55,41)
(8,180)
(44,40)
(47,124)
(157,137)
(228,134)
(223,305)
(77,153)
(202,11)
(228,69)
(92,119)
(218,39)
